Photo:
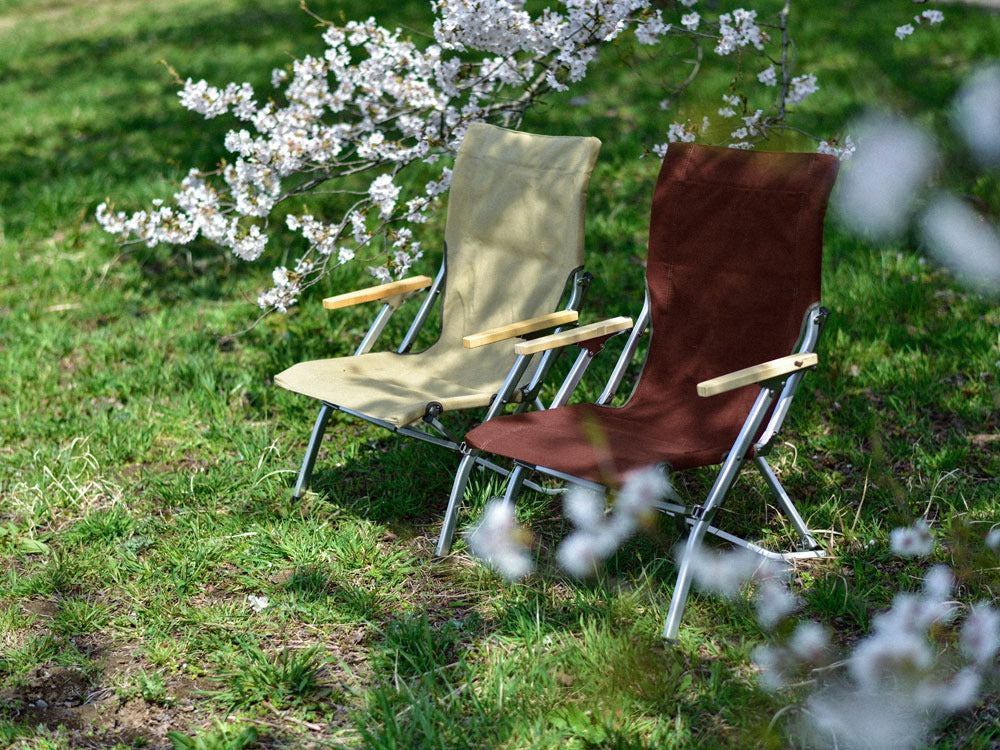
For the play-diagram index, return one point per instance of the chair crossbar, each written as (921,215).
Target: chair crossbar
(627,354)
(485,463)
(812,327)
(425,308)
(319,428)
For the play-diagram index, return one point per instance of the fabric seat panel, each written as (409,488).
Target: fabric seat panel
(396,388)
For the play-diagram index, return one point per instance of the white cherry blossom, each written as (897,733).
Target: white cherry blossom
(768,76)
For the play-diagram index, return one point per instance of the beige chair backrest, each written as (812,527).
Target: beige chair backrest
(515,226)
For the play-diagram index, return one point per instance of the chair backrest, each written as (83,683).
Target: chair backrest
(734,262)
(515,226)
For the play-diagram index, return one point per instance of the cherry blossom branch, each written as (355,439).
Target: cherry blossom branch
(374,104)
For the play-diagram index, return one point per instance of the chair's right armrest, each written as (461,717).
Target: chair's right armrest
(520,328)
(775,368)
(379,292)
(608,327)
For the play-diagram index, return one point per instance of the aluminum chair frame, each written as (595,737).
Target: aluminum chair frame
(513,252)
(574,295)
(777,392)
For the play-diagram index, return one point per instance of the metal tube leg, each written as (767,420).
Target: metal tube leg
(302,484)
(514,482)
(727,475)
(785,501)
(454,503)
(572,379)
(723,482)
(683,585)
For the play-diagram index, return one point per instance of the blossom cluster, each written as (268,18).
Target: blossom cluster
(887,188)
(376,102)
(734,32)
(502,542)
(930,17)
(372,104)
(901,678)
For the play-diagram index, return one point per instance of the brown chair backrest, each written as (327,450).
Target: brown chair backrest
(734,261)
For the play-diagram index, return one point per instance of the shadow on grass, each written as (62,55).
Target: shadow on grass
(571,670)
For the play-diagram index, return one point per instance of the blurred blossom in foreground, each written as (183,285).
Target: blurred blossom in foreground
(854,720)
(977,115)
(980,636)
(912,541)
(879,186)
(774,603)
(810,642)
(993,539)
(898,682)
(726,573)
(964,241)
(501,541)
(597,533)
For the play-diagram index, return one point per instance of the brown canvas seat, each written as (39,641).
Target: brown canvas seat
(733,287)
(513,252)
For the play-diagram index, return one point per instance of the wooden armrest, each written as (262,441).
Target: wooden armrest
(574,336)
(521,328)
(370,294)
(776,368)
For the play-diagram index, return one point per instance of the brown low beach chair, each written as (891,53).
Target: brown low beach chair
(513,251)
(733,291)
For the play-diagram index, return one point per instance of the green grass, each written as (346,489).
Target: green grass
(146,459)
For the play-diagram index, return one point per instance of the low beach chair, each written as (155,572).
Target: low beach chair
(513,254)
(733,301)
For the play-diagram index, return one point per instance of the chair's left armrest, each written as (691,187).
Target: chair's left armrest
(521,328)
(588,332)
(775,368)
(377,292)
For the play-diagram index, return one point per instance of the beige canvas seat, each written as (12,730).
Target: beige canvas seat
(513,254)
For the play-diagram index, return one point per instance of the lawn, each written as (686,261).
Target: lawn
(146,459)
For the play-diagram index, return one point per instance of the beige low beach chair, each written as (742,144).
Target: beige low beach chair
(513,255)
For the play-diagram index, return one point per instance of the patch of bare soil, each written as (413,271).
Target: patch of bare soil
(90,714)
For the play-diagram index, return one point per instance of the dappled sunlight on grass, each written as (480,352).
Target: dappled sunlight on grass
(146,460)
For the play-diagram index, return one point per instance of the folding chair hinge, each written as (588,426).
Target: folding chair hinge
(697,512)
(432,411)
